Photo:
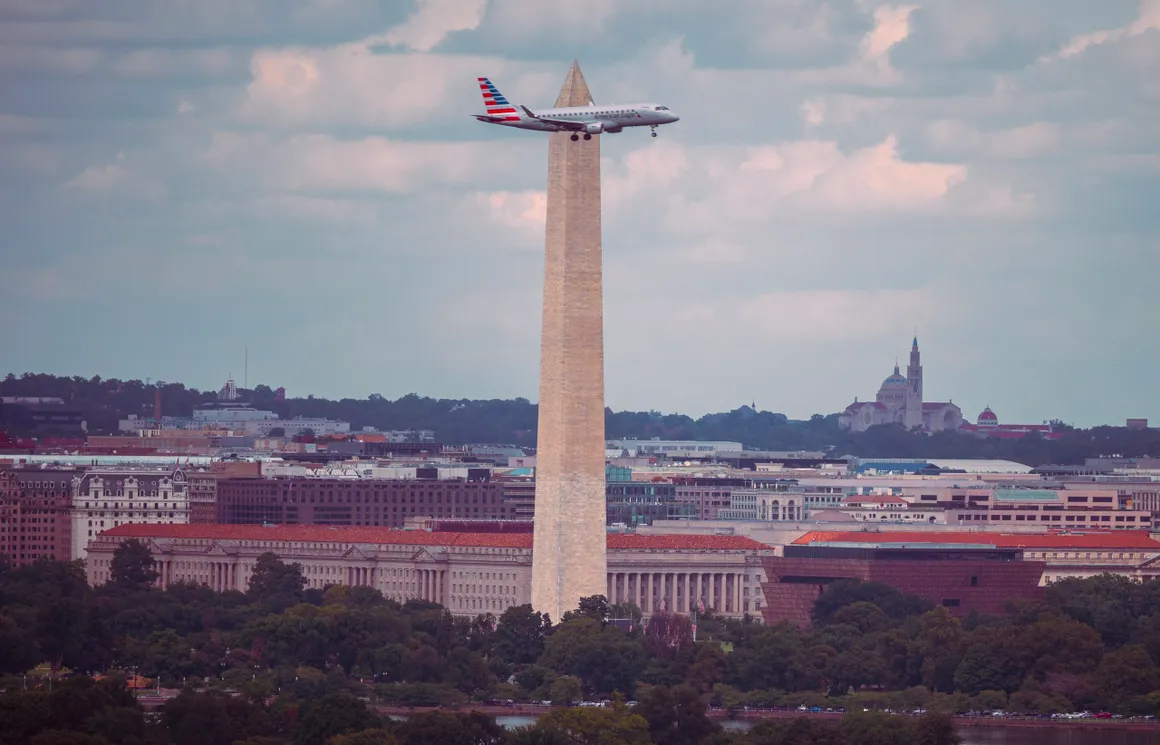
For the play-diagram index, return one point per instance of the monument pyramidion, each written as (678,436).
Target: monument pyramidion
(569,549)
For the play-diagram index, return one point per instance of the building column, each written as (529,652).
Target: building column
(712,591)
(738,593)
(649,590)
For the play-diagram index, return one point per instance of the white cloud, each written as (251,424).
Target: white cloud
(524,212)
(813,112)
(118,177)
(1148,19)
(302,207)
(64,61)
(351,84)
(657,167)
(521,18)
(891,26)
(155,63)
(724,187)
(318,163)
(1034,140)
(431,23)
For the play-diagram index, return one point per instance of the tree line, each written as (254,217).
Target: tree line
(459,421)
(285,665)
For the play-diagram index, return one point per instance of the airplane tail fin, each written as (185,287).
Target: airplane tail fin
(498,107)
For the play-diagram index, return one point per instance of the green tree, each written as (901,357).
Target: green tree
(365,737)
(677,716)
(1126,672)
(439,728)
(519,638)
(936,728)
(593,606)
(276,583)
(566,690)
(132,567)
(333,714)
(874,728)
(612,725)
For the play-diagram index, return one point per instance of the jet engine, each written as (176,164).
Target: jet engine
(613,127)
(594,128)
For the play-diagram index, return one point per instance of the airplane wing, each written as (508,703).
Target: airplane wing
(562,123)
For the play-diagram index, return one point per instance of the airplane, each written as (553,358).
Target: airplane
(587,120)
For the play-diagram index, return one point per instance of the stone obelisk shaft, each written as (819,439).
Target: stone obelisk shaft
(569,549)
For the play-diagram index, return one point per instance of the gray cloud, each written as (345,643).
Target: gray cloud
(302,177)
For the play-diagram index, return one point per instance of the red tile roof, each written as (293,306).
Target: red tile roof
(389,536)
(1111,539)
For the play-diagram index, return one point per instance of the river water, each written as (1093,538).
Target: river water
(1075,735)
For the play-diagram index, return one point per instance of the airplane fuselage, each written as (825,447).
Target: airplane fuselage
(589,120)
(610,118)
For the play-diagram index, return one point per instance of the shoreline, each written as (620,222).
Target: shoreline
(530,710)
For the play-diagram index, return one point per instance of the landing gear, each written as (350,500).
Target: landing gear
(587,136)
(654,131)
(575,137)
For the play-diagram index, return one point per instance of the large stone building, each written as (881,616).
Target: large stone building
(104,498)
(900,401)
(468,573)
(34,514)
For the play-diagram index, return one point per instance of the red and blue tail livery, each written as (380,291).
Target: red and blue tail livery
(579,120)
(498,108)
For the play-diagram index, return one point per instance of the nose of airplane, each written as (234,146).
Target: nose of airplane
(673,117)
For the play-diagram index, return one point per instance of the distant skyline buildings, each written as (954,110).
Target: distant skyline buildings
(1147,408)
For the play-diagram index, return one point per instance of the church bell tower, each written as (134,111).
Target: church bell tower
(913,416)
(914,371)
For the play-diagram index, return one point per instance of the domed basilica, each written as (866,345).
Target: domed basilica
(900,401)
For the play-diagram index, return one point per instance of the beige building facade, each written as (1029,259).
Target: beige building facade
(106,498)
(468,573)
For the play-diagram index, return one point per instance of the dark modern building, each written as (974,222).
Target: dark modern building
(40,416)
(387,503)
(639,503)
(962,578)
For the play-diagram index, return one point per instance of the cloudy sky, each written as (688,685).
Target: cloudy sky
(183,179)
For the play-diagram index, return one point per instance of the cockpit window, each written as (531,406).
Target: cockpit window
(662,108)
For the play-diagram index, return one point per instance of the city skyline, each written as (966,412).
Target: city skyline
(303,178)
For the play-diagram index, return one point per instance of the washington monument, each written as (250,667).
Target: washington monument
(568,560)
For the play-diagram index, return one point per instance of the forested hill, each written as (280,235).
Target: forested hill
(458,421)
